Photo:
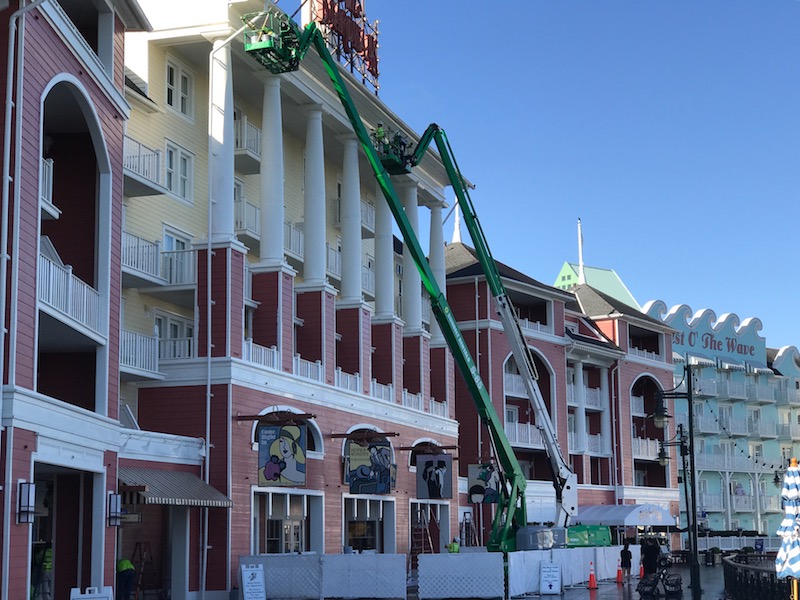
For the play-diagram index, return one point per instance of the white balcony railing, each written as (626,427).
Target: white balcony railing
(705,387)
(382,391)
(261,355)
(346,381)
(293,239)
(368,279)
(46,181)
(720,461)
(770,503)
(138,351)
(592,397)
(246,136)
(178,267)
(60,289)
(524,434)
(761,392)
(368,215)
(734,426)
(710,502)
(706,424)
(637,405)
(762,428)
(333,261)
(514,385)
(141,160)
(644,448)
(743,503)
(644,353)
(413,400)
(141,255)
(527,324)
(308,369)
(595,443)
(439,408)
(246,217)
(176,348)
(789,430)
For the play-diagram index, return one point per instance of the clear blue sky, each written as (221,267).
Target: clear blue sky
(671,128)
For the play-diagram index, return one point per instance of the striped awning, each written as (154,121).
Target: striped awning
(730,364)
(159,486)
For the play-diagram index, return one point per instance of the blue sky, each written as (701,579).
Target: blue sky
(671,128)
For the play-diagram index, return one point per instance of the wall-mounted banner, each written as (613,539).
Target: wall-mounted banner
(369,469)
(484,483)
(282,455)
(434,476)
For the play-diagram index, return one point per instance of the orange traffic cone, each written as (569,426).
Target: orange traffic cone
(619,573)
(592,578)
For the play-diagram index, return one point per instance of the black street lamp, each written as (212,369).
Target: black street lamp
(660,417)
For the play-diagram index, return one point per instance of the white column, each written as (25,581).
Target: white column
(436,254)
(384,258)
(412,282)
(351,223)
(580,413)
(314,201)
(605,416)
(220,143)
(272,209)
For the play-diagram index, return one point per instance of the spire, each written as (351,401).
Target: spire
(457,226)
(581,272)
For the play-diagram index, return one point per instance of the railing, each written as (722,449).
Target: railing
(426,309)
(368,215)
(138,351)
(761,392)
(413,400)
(141,160)
(382,391)
(178,267)
(309,370)
(293,239)
(717,461)
(770,503)
(333,261)
(141,255)
(762,428)
(710,502)
(732,389)
(529,325)
(637,405)
(59,288)
(592,397)
(706,424)
(246,136)
(368,279)
(644,448)
(734,426)
(789,430)
(644,353)
(705,387)
(261,355)
(514,385)
(789,397)
(439,409)
(595,443)
(247,216)
(753,576)
(46,181)
(346,381)
(175,348)
(743,503)
(524,434)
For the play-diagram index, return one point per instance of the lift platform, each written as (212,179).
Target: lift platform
(273,40)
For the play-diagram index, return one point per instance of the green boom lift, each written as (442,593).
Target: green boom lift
(276,42)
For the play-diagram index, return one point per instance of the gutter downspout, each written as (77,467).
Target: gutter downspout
(614,373)
(4,255)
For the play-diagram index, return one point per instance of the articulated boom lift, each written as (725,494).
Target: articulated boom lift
(276,42)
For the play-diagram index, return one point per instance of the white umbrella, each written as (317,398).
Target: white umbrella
(787,563)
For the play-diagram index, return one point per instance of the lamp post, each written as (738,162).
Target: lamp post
(660,417)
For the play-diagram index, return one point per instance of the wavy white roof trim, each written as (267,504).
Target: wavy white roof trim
(680,317)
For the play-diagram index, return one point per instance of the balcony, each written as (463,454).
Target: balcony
(367,218)
(246,147)
(644,448)
(64,295)
(637,406)
(333,262)
(529,326)
(247,223)
(49,210)
(706,424)
(176,348)
(293,242)
(591,397)
(141,168)
(170,275)
(770,503)
(595,444)
(719,461)
(789,431)
(382,391)
(743,503)
(140,260)
(413,400)
(524,435)
(705,388)
(440,409)
(762,428)
(645,354)
(346,381)
(514,385)
(261,355)
(788,397)
(762,393)
(308,369)
(734,426)
(368,281)
(138,357)
(710,502)
(735,390)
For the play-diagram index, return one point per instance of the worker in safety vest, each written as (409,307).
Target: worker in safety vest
(126,575)
(453,546)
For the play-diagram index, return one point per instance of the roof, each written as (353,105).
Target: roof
(461,261)
(624,515)
(595,303)
(608,281)
(177,488)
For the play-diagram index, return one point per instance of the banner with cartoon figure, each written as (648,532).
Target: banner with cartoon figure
(282,455)
(369,469)
(484,483)
(434,476)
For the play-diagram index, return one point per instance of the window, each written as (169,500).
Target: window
(177,260)
(175,336)
(180,171)
(512,414)
(180,88)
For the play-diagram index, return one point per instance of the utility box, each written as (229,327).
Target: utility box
(583,536)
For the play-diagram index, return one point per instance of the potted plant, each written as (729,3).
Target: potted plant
(713,556)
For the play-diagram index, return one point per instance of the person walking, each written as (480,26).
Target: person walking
(650,553)
(625,558)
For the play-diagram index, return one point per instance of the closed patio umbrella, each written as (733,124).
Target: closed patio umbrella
(787,563)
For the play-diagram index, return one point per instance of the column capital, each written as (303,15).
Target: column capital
(312,108)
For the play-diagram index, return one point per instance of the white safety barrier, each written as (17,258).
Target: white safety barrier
(92,593)
(462,575)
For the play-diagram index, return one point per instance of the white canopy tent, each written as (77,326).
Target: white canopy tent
(624,515)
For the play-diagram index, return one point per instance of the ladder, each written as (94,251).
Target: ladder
(469,534)
(142,559)
(421,540)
